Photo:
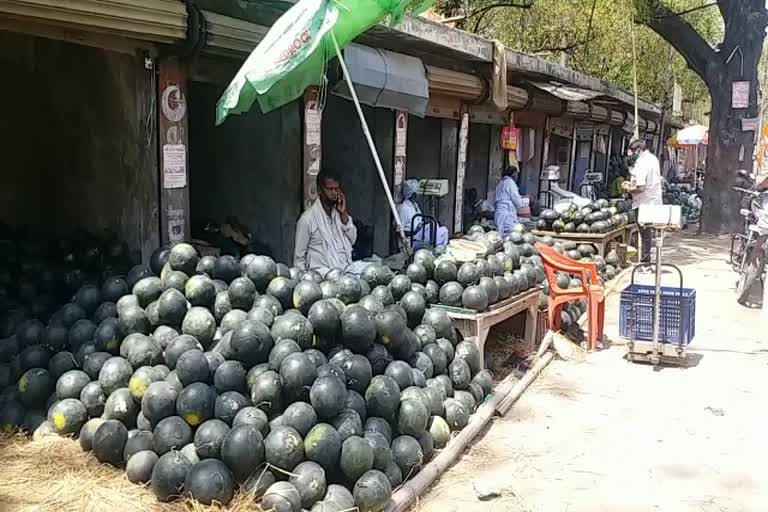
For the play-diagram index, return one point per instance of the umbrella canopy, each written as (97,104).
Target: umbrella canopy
(691,136)
(294,54)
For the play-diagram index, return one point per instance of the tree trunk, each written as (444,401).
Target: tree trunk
(730,149)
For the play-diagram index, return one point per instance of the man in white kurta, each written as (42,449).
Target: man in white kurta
(325,232)
(645,187)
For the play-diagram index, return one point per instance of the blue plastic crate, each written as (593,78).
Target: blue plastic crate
(677,322)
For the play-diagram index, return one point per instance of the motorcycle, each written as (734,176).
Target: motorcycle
(750,257)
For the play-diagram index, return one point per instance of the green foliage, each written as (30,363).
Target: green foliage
(595,38)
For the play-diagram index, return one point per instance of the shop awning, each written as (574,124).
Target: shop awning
(567,92)
(155,21)
(386,79)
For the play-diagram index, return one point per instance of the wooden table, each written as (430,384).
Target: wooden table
(601,241)
(477,325)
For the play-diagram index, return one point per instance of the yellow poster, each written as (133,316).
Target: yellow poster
(762,152)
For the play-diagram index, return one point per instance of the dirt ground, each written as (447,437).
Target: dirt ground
(608,435)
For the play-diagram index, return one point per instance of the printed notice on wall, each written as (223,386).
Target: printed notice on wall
(740,95)
(312,122)
(174,166)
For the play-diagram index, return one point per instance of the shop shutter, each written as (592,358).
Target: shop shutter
(598,114)
(153,21)
(445,82)
(616,118)
(517,97)
(546,103)
(230,35)
(577,109)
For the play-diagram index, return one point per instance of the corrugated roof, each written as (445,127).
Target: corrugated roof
(567,92)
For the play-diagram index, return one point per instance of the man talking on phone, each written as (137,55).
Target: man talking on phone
(325,232)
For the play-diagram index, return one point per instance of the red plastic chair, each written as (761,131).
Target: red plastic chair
(594,294)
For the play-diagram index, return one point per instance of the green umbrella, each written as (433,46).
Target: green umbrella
(294,53)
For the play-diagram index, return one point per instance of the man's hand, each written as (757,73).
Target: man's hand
(341,207)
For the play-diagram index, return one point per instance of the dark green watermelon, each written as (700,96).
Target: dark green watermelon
(293,327)
(445,272)
(284,448)
(383,397)
(109,442)
(451,294)
(168,476)
(199,323)
(243,450)
(356,457)
(407,454)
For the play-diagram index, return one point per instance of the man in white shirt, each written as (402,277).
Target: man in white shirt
(325,232)
(645,186)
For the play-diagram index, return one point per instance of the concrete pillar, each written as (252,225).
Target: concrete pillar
(312,145)
(174,151)
(495,162)
(449,138)
(461,169)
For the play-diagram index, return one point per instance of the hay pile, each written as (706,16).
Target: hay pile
(52,474)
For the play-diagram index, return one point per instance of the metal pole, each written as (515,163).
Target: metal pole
(657,302)
(371,146)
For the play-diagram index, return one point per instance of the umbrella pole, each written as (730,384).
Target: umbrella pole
(406,247)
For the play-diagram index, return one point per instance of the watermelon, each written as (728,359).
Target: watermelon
(407,454)
(284,448)
(400,285)
(417,273)
(445,272)
(171,433)
(297,374)
(169,474)
(109,442)
(266,392)
(358,329)
(293,327)
(139,467)
(475,297)
(328,396)
(325,320)
(347,423)
(350,290)
(68,416)
(305,295)
(200,323)
(460,373)
(456,414)
(356,457)
(383,397)
(281,497)
(251,343)
(242,450)
(252,416)
(87,432)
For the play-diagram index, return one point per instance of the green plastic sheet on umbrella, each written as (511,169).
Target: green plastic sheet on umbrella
(294,53)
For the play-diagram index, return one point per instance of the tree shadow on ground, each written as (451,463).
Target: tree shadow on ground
(687,249)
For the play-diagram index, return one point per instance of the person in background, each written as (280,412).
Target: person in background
(471,210)
(408,209)
(644,186)
(325,232)
(508,201)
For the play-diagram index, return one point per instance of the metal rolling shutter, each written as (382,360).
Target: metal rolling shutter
(599,114)
(153,21)
(231,36)
(577,109)
(517,97)
(444,82)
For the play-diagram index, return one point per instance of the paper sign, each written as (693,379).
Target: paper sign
(174,166)
(401,133)
(740,95)
(509,138)
(313,122)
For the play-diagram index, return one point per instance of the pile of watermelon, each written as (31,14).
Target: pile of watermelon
(478,284)
(202,376)
(599,217)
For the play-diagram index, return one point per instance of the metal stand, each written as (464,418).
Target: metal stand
(656,352)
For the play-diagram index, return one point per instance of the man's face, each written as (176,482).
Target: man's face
(329,191)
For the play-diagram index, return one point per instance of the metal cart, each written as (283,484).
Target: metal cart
(658,321)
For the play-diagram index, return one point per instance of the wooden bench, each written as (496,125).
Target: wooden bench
(476,326)
(601,241)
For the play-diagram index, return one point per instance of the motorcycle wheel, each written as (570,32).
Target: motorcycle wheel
(753,269)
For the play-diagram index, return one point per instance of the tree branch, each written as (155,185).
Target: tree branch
(683,37)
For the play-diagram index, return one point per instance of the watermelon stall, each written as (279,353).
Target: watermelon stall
(206,377)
